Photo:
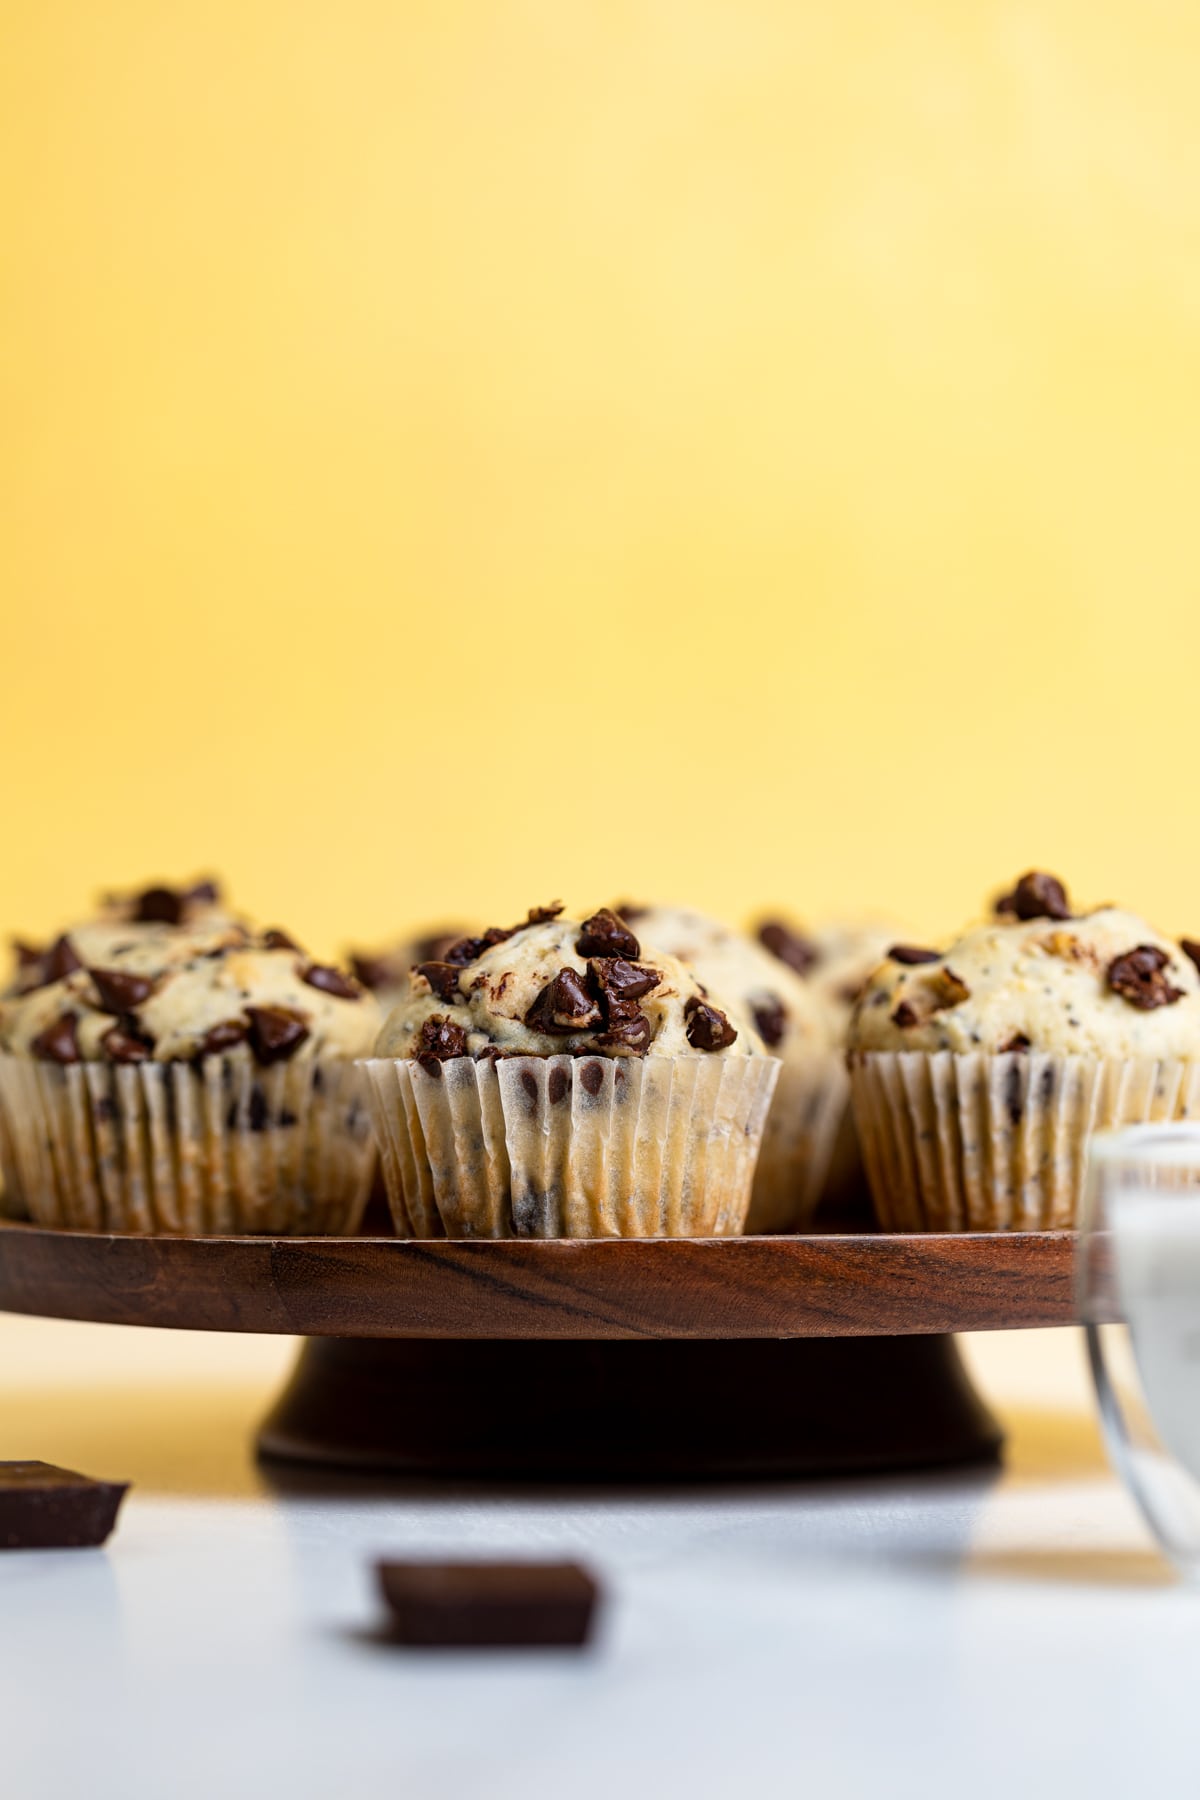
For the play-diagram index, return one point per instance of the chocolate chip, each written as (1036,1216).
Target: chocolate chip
(542,915)
(434,946)
(1139,977)
(331,981)
(276,1032)
(592,1077)
(468,949)
(770,1019)
(59,961)
(439,1040)
(788,945)
(278,940)
(122,1043)
(170,906)
(605,935)
(632,1032)
(707,1027)
(556,1085)
(59,1042)
(1014,1093)
(1191,949)
(529,1083)
(904,1016)
(1017,1042)
(259,1112)
(1036,896)
(222,1037)
(563,1005)
(375,971)
(911,955)
(28,955)
(441,976)
(159,906)
(120,991)
(620,984)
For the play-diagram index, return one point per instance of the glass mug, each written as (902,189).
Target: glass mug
(1139,1299)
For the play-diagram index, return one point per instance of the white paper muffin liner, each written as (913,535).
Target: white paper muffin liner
(845,1176)
(999,1143)
(810,1102)
(565,1146)
(213,1148)
(12,1205)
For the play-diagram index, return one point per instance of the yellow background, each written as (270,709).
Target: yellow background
(457,455)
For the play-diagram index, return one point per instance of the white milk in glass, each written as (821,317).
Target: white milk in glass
(1155,1247)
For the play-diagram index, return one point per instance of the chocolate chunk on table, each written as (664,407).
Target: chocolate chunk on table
(488,1605)
(44,1508)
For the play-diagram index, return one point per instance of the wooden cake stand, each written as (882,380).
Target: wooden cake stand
(645,1359)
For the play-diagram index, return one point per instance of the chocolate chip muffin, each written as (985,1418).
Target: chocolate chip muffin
(196,1080)
(142,915)
(386,971)
(981,1071)
(561,1079)
(813,1090)
(835,959)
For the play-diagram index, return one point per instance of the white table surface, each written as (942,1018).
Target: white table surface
(955,1635)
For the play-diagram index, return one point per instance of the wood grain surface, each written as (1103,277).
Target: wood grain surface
(776,1287)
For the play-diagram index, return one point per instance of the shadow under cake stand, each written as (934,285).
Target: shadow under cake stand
(616,1358)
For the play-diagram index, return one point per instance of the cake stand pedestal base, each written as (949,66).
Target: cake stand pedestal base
(644,1410)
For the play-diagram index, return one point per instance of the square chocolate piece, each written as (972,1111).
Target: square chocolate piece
(488,1605)
(44,1508)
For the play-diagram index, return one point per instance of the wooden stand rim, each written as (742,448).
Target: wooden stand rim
(670,1288)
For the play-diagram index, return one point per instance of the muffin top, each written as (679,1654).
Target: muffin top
(1038,978)
(787,1012)
(198,903)
(554,987)
(386,971)
(836,958)
(181,994)
(143,915)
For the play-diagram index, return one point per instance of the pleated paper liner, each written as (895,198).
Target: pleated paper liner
(213,1148)
(810,1104)
(12,1204)
(999,1143)
(565,1146)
